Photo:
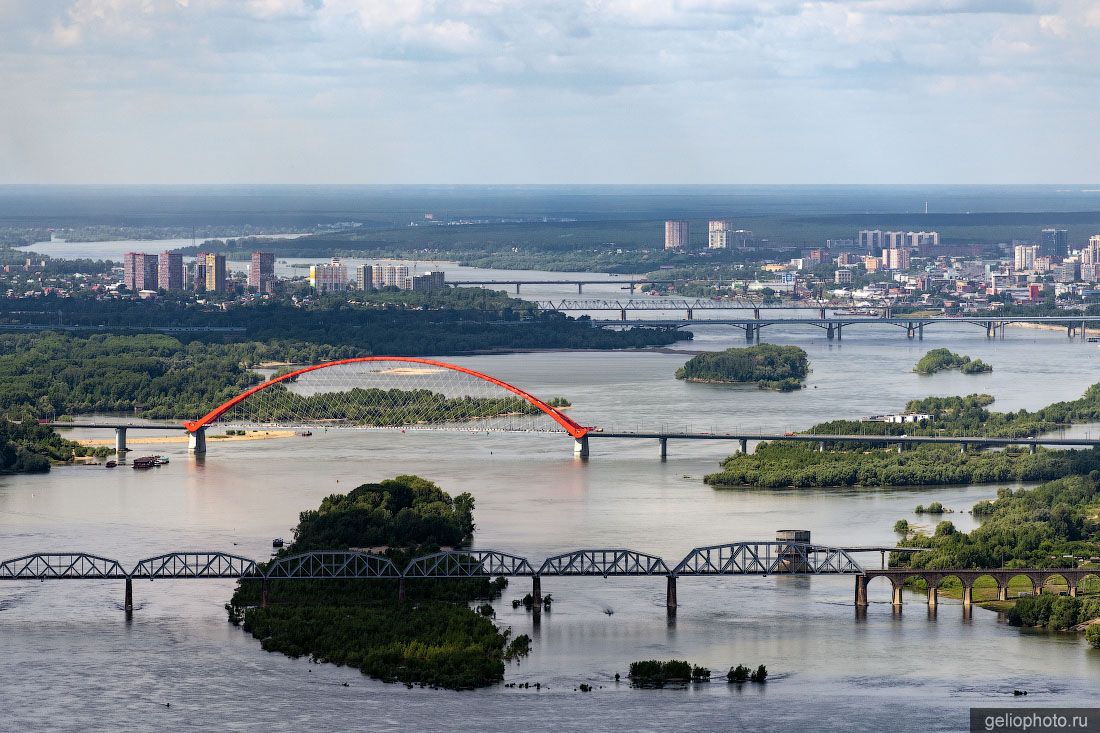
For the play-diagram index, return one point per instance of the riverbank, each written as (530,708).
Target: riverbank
(163,439)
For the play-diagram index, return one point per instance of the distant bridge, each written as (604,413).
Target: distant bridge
(426,376)
(630,284)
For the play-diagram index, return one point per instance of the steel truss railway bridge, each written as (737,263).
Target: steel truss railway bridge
(559,420)
(752,558)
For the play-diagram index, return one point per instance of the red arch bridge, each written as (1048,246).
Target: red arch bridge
(413,393)
(761,558)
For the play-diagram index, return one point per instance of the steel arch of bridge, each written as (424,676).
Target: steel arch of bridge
(767,558)
(604,562)
(61,565)
(467,564)
(572,427)
(194,565)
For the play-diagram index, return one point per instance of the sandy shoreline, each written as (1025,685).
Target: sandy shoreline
(250,435)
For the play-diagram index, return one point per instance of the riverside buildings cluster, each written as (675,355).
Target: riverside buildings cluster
(333,277)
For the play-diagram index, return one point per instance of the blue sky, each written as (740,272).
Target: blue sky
(550,91)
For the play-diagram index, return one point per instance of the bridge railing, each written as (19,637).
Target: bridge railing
(195,565)
(61,565)
(467,564)
(766,558)
(604,562)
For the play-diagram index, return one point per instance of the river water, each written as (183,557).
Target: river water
(74,663)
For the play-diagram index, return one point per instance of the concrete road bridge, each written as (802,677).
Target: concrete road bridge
(413,393)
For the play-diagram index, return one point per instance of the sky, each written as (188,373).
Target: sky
(549,91)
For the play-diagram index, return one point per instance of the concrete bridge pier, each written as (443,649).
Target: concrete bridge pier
(839,332)
(120,441)
(670,593)
(580,288)
(1002,592)
(401,590)
(910,330)
(1031,449)
(664,448)
(829,332)
(689,314)
(580,447)
(822,314)
(743,444)
(1038,590)
(128,600)
(622,314)
(933,596)
(536,590)
(749,329)
(920,332)
(861,591)
(1073,590)
(968,597)
(263,593)
(962,447)
(632,287)
(196,442)
(517,288)
(895,599)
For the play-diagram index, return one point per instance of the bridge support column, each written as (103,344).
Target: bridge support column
(1073,590)
(822,312)
(1031,449)
(1002,592)
(536,590)
(748,332)
(120,441)
(670,592)
(861,591)
(622,314)
(1038,590)
(839,332)
(895,599)
(263,593)
(920,332)
(401,590)
(910,332)
(962,447)
(821,447)
(933,596)
(517,288)
(689,314)
(744,445)
(968,596)
(901,447)
(664,448)
(196,442)
(829,332)
(632,287)
(128,600)
(580,288)
(580,447)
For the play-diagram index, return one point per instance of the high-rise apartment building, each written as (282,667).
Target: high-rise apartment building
(139,271)
(393,276)
(718,234)
(676,235)
(261,272)
(170,271)
(1024,257)
(1054,242)
(198,277)
(895,258)
(364,277)
(870,241)
(329,278)
(893,240)
(215,273)
(922,240)
(1090,255)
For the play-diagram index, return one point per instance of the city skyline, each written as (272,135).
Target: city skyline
(646,91)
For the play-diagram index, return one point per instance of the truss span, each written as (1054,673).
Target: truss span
(333,565)
(389,391)
(767,558)
(604,562)
(194,565)
(61,565)
(467,564)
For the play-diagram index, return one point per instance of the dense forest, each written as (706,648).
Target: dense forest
(939,360)
(27,447)
(433,638)
(770,366)
(789,464)
(457,320)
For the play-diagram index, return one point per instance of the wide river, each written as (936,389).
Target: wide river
(72,661)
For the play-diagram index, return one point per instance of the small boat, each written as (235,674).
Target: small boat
(111,464)
(160,460)
(277,542)
(306,433)
(145,462)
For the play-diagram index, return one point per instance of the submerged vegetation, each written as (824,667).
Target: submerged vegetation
(433,638)
(772,367)
(938,360)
